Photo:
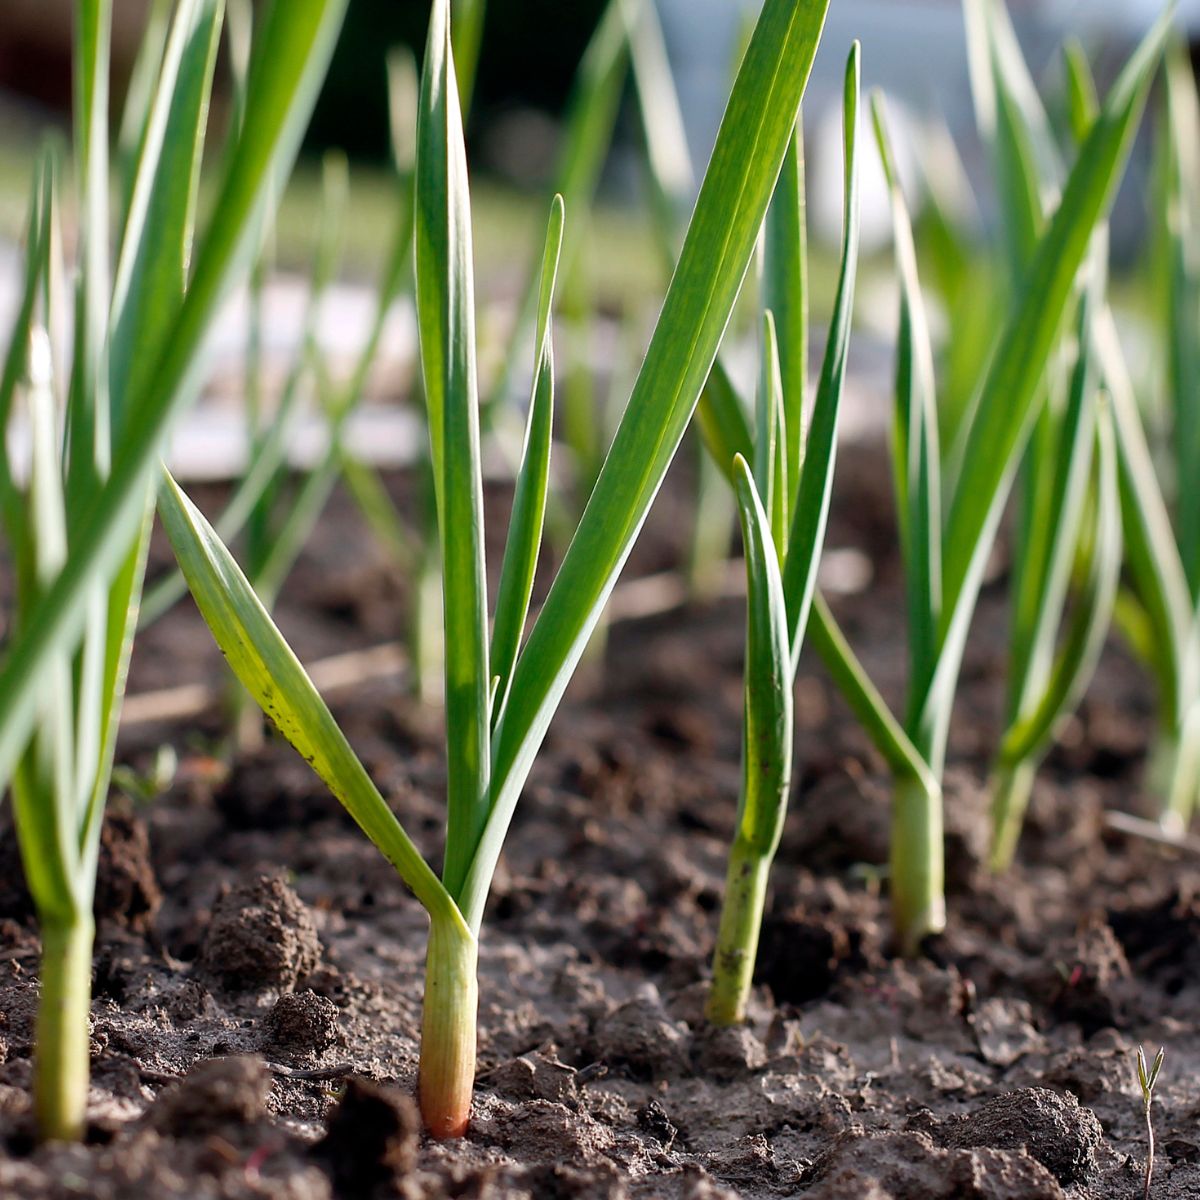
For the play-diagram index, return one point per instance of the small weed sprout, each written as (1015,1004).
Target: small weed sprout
(1146,1081)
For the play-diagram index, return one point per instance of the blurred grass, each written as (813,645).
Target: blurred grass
(622,257)
(623,262)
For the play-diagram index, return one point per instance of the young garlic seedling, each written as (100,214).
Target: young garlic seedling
(783,500)
(500,698)
(1160,612)
(945,557)
(1147,1078)
(1069,526)
(783,531)
(78,528)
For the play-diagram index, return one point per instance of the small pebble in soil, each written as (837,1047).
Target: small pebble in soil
(1055,1129)
(371,1138)
(261,936)
(301,1024)
(217,1093)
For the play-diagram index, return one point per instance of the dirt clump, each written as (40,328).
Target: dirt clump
(909,1166)
(261,937)
(216,1094)
(640,1038)
(302,1024)
(1055,1129)
(127,890)
(371,1139)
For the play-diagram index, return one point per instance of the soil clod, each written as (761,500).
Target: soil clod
(1056,1130)
(261,936)
(302,1024)
(217,1093)
(371,1138)
(641,1038)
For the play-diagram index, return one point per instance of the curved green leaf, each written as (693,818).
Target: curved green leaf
(767,718)
(271,673)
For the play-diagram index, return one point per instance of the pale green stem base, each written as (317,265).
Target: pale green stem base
(62,1057)
(447,1070)
(1011,788)
(917,864)
(1173,776)
(737,936)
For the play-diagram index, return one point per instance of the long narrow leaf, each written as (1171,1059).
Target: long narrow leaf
(533,480)
(268,669)
(785,293)
(446,319)
(725,225)
(767,720)
(816,479)
(157,238)
(294,49)
(1091,619)
(1006,408)
(915,448)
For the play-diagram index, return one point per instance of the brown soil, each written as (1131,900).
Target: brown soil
(258,967)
